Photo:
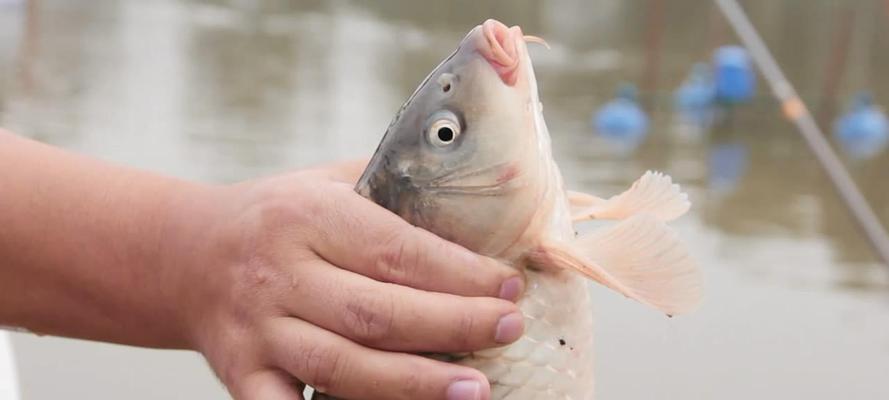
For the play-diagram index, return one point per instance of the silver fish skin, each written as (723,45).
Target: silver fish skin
(468,157)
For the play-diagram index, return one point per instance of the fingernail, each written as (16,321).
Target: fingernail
(465,390)
(509,328)
(511,288)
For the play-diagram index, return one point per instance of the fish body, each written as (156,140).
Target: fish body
(468,157)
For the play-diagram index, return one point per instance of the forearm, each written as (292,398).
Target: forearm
(92,250)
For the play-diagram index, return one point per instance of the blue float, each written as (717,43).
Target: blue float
(863,131)
(694,100)
(734,75)
(622,120)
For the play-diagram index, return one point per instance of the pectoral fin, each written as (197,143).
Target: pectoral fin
(640,257)
(580,200)
(654,193)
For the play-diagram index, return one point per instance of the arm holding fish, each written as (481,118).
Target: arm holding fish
(279,282)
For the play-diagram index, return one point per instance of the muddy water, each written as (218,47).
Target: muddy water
(221,91)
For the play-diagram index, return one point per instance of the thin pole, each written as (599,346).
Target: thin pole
(836,67)
(653,39)
(716,31)
(796,111)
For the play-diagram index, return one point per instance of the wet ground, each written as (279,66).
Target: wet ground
(221,91)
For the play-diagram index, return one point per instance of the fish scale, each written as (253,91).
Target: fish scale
(557,308)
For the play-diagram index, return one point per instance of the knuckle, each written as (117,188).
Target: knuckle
(462,335)
(399,258)
(322,368)
(411,383)
(370,318)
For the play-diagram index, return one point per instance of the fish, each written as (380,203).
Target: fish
(468,157)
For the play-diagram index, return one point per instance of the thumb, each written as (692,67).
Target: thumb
(269,385)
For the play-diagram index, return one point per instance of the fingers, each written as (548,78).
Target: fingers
(334,365)
(269,385)
(363,237)
(394,317)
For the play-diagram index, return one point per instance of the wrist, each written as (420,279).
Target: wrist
(190,259)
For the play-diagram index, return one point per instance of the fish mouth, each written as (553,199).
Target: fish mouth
(393,191)
(505,49)
(502,49)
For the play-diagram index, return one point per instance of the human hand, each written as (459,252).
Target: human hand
(298,280)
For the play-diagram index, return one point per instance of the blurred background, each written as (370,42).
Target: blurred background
(221,91)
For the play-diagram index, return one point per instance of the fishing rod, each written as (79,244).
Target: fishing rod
(795,110)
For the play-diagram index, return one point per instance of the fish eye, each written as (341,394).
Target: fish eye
(443,130)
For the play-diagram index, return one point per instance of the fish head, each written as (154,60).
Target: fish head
(465,156)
